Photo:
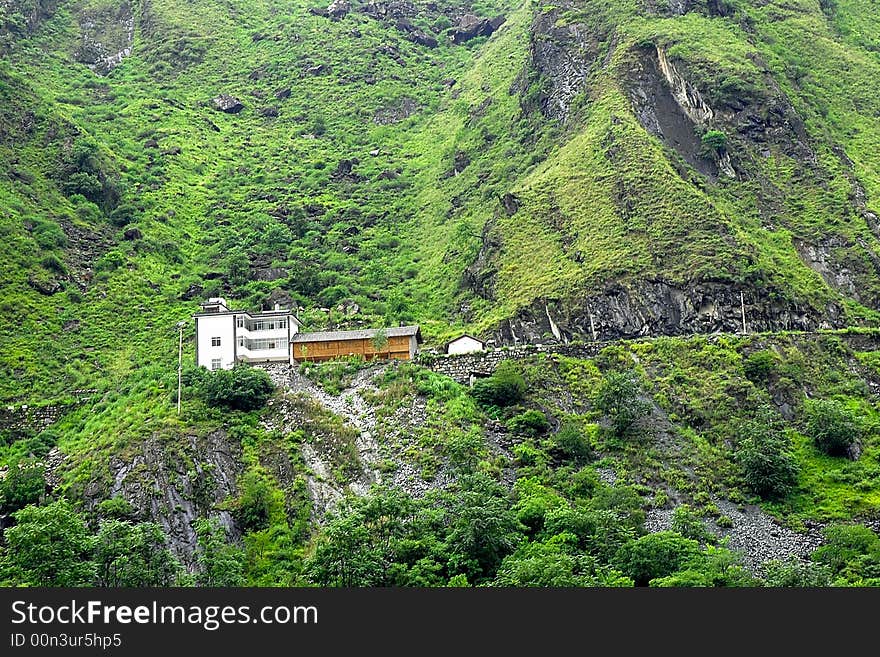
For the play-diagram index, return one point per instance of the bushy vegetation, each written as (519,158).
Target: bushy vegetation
(127,198)
(242,387)
(619,397)
(505,387)
(764,451)
(833,425)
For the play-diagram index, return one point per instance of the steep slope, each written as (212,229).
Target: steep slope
(696,155)
(529,173)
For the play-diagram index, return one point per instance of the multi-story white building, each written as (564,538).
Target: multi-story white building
(225,337)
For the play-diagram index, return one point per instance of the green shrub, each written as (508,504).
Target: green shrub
(619,397)
(759,365)
(241,388)
(655,555)
(24,484)
(764,453)
(832,425)
(796,573)
(504,388)
(572,444)
(529,423)
(259,501)
(689,524)
(714,142)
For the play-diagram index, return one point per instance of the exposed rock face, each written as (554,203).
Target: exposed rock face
(563,55)
(655,307)
(22,17)
(395,112)
(45,287)
(228,104)
(106,36)
(670,110)
(175,487)
(470,26)
(338,9)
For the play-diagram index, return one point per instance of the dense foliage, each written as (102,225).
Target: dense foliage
(475,186)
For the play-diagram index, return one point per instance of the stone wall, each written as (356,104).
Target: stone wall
(28,418)
(463,367)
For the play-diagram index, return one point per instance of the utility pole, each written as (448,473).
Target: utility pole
(180,326)
(742,304)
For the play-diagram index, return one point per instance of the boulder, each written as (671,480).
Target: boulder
(338,9)
(228,104)
(470,26)
(419,37)
(269,112)
(283,94)
(132,234)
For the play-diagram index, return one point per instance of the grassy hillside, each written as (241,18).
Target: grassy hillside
(637,168)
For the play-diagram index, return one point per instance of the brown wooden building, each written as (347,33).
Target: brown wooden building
(401,343)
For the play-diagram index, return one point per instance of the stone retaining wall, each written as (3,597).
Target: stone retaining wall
(463,367)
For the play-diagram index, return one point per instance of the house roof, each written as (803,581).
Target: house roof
(465,335)
(391,332)
(263,314)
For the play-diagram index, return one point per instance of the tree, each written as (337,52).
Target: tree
(484,530)
(504,388)
(714,142)
(25,483)
(851,552)
(764,453)
(134,555)
(220,564)
(554,564)
(260,501)
(380,341)
(832,425)
(242,387)
(759,365)
(619,397)
(49,546)
(655,555)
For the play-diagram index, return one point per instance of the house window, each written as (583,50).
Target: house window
(282,323)
(215,342)
(215,363)
(240,322)
(241,342)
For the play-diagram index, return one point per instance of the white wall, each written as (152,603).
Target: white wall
(464,345)
(211,327)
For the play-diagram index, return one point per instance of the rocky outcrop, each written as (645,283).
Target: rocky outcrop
(227,103)
(338,9)
(470,27)
(562,56)
(174,482)
(656,307)
(106,36)
(396,112)
(22,17)
(669,111)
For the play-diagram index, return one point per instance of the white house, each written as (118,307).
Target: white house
(465,344)
(225,337)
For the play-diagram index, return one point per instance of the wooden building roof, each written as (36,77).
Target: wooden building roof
(326,336)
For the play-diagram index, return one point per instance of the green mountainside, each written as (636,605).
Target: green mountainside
(542,174)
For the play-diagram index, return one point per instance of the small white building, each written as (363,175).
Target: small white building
(225,337)
(465,344)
